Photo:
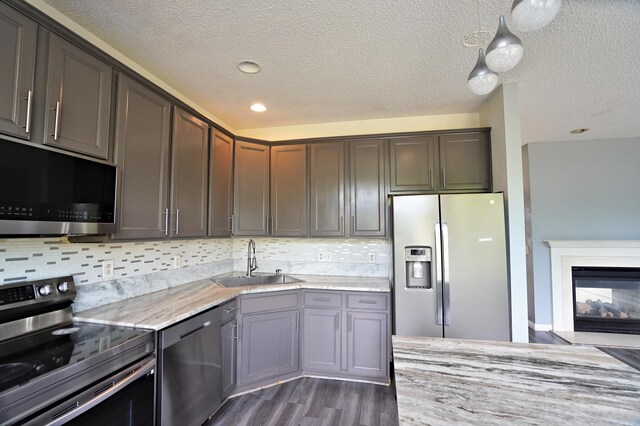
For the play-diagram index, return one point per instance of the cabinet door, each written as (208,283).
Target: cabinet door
(321,348)
(78,100)
(367,344)
(220,184)
(367,184)
(17,62)
(142,152)
(251,189)
(289,190)
(189,175)
(269,345)
(326,183)
(412,162)
(465,162)
(229,338)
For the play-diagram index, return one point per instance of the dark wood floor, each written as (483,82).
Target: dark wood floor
(310,401)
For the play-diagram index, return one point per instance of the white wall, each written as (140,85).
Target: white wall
(501,112)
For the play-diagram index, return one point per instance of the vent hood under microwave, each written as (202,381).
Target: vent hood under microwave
(44,192)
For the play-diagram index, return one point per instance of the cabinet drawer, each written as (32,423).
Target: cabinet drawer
(229,310)
(269,302)
(322,299)
(367,301)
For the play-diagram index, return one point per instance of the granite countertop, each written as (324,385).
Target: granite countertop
(445,381)
(163,308)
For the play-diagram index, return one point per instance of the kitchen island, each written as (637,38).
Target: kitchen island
(446,381)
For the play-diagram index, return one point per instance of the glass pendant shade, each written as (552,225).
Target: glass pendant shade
(505,50)
(482,80)
(531,15)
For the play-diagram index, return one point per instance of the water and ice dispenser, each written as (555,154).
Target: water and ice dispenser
(418,266)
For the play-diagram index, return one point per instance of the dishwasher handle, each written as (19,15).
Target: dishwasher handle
(195,330)
(178,332)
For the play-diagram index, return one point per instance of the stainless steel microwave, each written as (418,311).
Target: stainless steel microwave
(45,192)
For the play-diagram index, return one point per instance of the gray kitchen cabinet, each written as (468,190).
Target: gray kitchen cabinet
(367,199)
(142,138)
(189,166)
(326,189)
(220,184)
(78,100)
(465,162)
(17,64)
(288,190)
(251,189)
(322,346)
(367,340)
(269,345)
(413,164)
(229,343)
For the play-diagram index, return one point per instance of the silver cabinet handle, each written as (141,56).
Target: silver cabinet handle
(230,223)
(349,323)
(368,302)
(431,178)
(437,260)
(353,224)
(177,221)
(231,309)
(321,299)
(266,224)
(166,222)
(56,122)
(443,175)
(341,224)
(234,336)
(337,321)
(446,288)
(297,320)
(27,122)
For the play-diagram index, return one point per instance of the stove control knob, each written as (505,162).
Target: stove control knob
(44,290)
(63,287)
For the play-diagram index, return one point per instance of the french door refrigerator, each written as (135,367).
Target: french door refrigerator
(450,266)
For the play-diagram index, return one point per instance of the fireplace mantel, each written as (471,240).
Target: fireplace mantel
(568,253)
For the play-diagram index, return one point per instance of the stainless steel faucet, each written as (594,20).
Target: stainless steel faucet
(252,263)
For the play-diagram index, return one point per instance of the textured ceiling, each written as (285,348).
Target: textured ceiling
(336,60)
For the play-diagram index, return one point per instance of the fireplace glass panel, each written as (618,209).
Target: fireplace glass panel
(606,299)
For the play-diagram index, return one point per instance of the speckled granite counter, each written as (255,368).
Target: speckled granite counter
(447,381)
(166,307)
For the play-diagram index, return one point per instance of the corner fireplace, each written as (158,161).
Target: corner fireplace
(606,299)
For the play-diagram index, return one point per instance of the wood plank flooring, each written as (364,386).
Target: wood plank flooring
(310,401)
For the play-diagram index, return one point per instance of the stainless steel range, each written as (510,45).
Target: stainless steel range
(54,371)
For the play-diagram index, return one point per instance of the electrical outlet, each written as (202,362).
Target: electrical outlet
(177,261)
(324,256)
(107,269)
(372,257)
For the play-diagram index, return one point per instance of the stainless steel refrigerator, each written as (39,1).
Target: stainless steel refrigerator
(450,266)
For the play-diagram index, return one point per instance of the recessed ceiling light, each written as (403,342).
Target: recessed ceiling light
(249,67)
(578,131)
(258,108)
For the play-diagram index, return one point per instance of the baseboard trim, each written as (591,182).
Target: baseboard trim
(540,327)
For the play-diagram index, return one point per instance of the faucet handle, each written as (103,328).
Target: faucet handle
(278,271)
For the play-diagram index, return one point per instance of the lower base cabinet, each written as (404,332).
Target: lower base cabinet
(322,339)
(367,338)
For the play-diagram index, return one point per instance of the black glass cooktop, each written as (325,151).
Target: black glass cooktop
(32,356)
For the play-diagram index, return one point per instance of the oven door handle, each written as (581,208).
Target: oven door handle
(74,409)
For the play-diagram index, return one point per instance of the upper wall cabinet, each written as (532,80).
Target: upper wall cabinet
(251,189)
(326,189)
(17,63)
(289,190)
(367,188)
(413,162)
(465,162)
(142,151)
(189,177)
(78,100)
(220,184)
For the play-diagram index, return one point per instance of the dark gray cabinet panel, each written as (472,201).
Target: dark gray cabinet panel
(78,100)
(465,162)
(367,337)
(269,345)
(189,175)
(251,189)
(289,190)
(229,339)
(17,63)
(321,339)
(220,184)
(367,188)
(413,163)
(326,193)
(142,151)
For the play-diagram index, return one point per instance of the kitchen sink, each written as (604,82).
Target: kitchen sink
(256,280)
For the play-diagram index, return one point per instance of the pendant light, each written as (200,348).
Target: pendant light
(482,80)
(531,15)
(505,50)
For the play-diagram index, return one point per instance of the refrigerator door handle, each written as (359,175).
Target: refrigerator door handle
(446,289)
(437,260)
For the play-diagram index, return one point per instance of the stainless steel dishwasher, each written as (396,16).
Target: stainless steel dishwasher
(190,384)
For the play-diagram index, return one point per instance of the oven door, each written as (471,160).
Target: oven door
(125,398)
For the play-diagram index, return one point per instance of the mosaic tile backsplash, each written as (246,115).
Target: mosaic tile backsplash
(144,267)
